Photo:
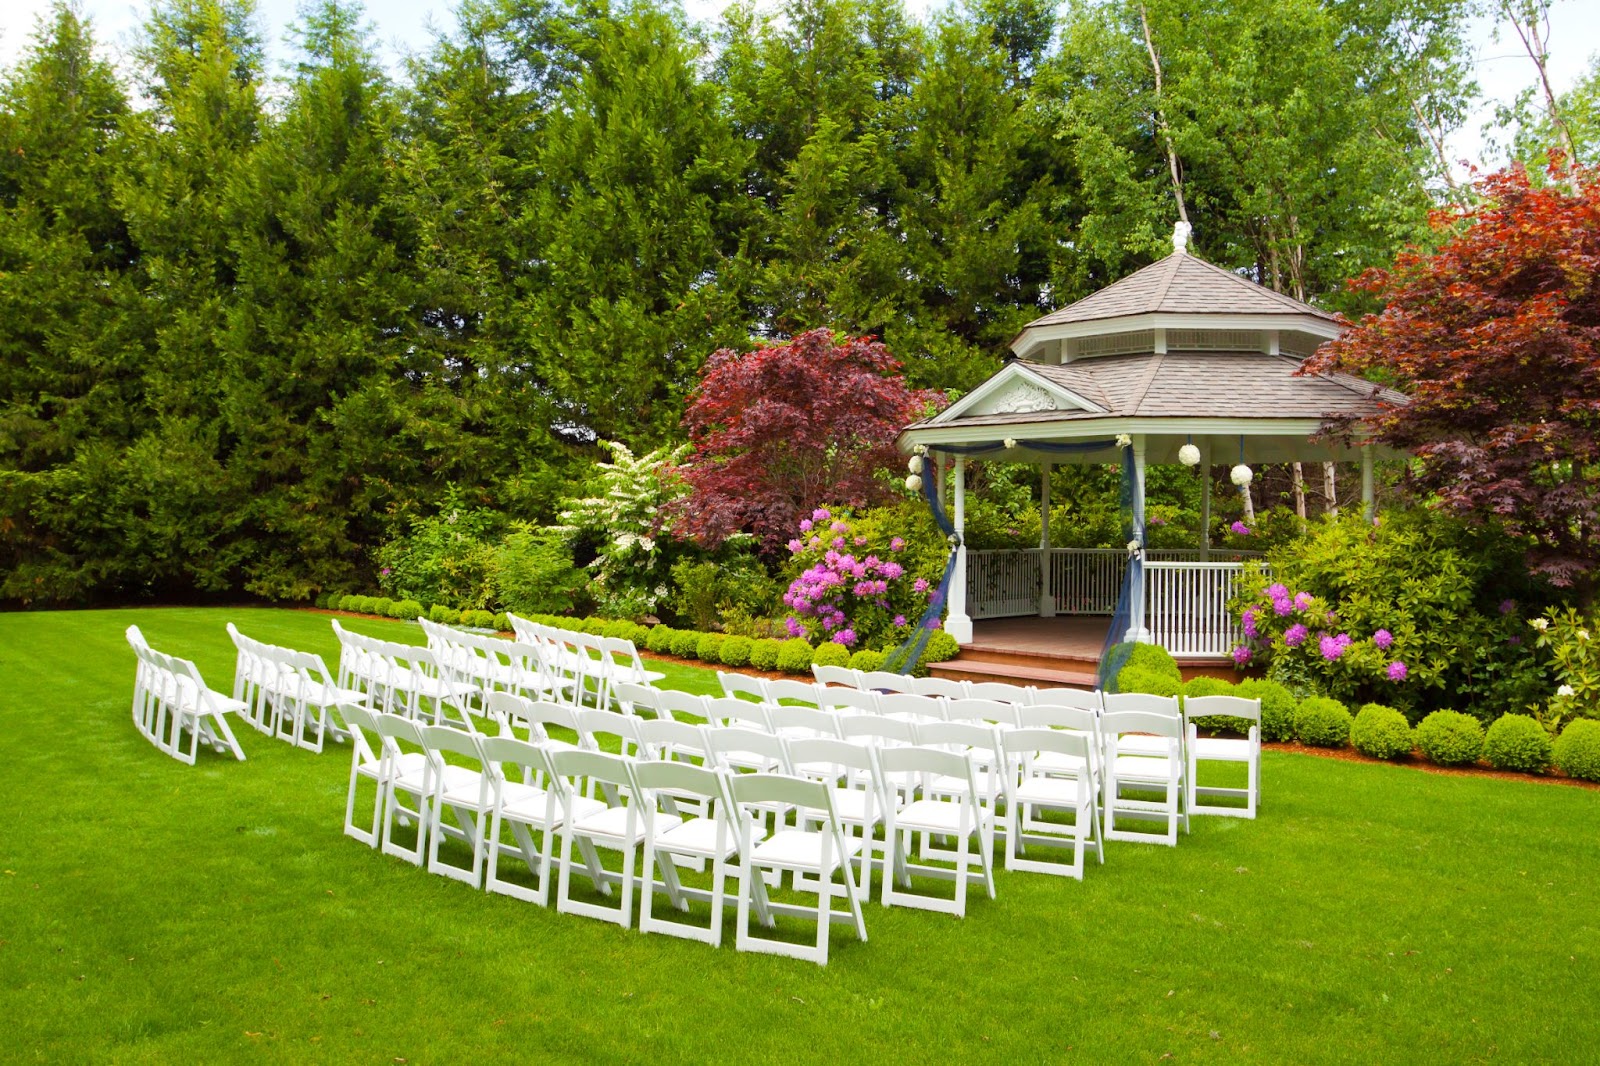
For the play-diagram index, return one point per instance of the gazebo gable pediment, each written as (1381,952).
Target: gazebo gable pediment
(1015,390)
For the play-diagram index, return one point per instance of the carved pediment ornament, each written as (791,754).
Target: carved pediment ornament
(1023,398)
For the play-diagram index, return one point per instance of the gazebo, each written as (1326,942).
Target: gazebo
(1180,361)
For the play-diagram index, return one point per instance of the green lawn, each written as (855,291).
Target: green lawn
(151,911)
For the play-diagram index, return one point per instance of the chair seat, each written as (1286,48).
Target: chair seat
(1047,792)
(932,816)
(530,810)
(329,695)
(611,824)
(1147,768)
(1059,762)
(464,792)
(1141,744)
(697,836)
(799,849)
(1222,749)
(410,763)
(947,785)
(851,806)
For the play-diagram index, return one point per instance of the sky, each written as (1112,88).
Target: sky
(403,26)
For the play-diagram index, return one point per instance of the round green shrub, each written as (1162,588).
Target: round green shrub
(406,610)
(355,604)
(866,660)
(478,619)
(336,601)
(501,623)
(1518,742)
(764,653)
(636,634)
(322,599)
(441,614)
(660,640)
(794,656)
(831,654)
(709,648)
(593,626)
(1140,679)
(1450,738)
(686,644)
(616,629)
(1381,732)
(382,605)
(1152,657)
(1577,750)
(941,648)
(1322,723)
(1278,706)
(735,651)
(1208,686)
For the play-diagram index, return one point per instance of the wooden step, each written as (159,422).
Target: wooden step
(1061,660)
(965,669)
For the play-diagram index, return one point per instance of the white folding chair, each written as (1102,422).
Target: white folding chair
(1140,744)
(981,710)
(1143,770)
(728,711)
(786,690)
(711,836)
(512,766)
(885,681)
(1246,750)
(1078,720)
(601,730)
(742,686)
(794,722)
(1004,691)
(464,792)
(403,746)
(367,763)
(939,686)
(1031,791)
(821,853)
(632,697)
(852,773)
(845,701)
(836,675)
(618,827)
(959,817)
(910,707)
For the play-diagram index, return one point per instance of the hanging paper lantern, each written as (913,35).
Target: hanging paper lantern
(1010,443)
(1189,455)
(913,483)
(914,464)
(1241,475)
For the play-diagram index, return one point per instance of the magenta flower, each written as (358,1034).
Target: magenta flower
(1302,601)
(1281,606)
(838,543)
(1343,640)
(384,572)
(1277,591)
(839,526)
(795,546)
(805,525)
(795,628)
(1248,621)
(920,585)
(861,542)
(1295,635)
(1331,649)
(1397,671)
(1241,529)
(1383,638)
(893,570)
(846,637)
(1241,655)
(1507,606)
(821,514)
(899,620)
(896,543)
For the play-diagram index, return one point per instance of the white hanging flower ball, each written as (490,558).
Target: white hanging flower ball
(1010,442)
(914,464)
(1123,440)
(921,449)
(1189,455)
(1241,475)
(1133,547)
(914,483)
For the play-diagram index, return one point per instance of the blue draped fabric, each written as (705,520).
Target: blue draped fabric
(1116,649)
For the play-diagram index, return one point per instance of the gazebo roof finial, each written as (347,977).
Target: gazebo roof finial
(1180,238)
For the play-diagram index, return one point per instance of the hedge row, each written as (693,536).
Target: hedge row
(1447,738)
(716,649)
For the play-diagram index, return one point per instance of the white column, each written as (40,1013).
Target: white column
(1205,502)
(1136,626)
(956,622)
(1369,500)
(938,472)
(1047,592)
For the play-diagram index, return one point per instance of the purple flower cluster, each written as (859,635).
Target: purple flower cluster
(1241,655)
(846,596)
(1241,529)
(1248,622)
(1333,647)
(1383,639)
(1295,635)
(1397,671)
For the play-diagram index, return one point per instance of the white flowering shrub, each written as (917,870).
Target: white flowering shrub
(625,517)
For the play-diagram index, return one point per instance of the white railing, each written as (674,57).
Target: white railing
(1086,580)
(1002,584)
(1186,607)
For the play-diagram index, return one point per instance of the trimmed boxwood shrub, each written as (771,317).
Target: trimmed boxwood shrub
(941,647)
(866,660)
(592,626)
(1278,706)
(1517,742)
(686,644)
(382,605)
(356,604)
(502,623)
(1577,750)
(1322,722)
(1450,738)
(660,640)
(441,614)
(735,651)
(831,654)
(794,656)
(1152,657)
(709,647)
(478,619)
(1381,732)
(1139,679)
(406,610)
(764,653)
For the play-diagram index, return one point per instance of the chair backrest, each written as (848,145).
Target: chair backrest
(622,658)
(508,710)
(396,728)
(876,728)
(980,710)
(598,766)
(787,689)
(440,738)
(635,697)
(1027,741)
(682,706)
(884,681)
(546,713)
(1232,706)
(1115,723)
(594,724)
(829,756)
(1057,716)
(662,738)
(730,740)
(836,675)
(1141,701)
(919,759)
(742,685)
(1004,691)
(730,711)
(939,686)
(962,735)
(525,631)
(924,708)
(1065,696)
(794,719)
(850,700)
(500,752)
(359,721)
(749,789)
(681,777)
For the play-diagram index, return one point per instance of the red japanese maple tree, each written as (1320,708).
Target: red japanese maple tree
(781,429)
(1496,337)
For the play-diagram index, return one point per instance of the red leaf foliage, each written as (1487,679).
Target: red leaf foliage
(1496,337)
(781,429)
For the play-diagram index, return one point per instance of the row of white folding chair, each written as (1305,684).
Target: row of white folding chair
(490,663)
(596,800)
(171,698)
(402,677)
(1003,691)
(604,661)
(289,693)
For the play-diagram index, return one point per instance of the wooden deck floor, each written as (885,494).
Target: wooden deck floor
(1074,636)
